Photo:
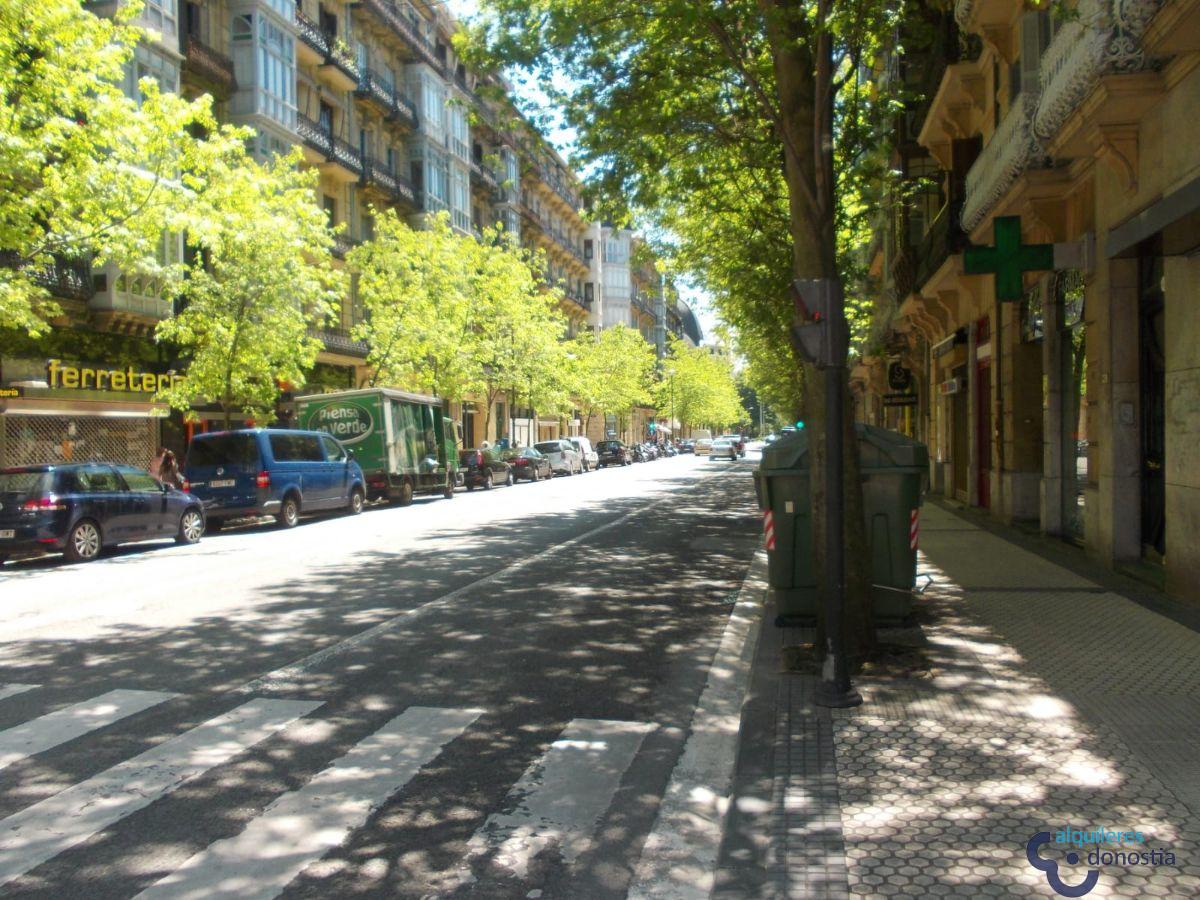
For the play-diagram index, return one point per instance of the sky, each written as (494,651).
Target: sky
(563,140)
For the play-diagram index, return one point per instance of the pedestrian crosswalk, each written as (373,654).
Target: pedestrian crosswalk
(559,802)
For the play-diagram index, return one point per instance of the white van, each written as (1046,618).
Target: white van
(590,458)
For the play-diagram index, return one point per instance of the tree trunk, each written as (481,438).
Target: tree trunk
(803,71)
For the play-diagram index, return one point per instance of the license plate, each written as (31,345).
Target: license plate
(223,482)
(7,533)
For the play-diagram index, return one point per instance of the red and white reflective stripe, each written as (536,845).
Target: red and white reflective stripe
(914,528)
(769,529)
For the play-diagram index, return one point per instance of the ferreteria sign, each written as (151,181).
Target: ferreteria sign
(97,378)
(348,422)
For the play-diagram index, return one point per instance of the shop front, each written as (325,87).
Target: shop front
(56,411)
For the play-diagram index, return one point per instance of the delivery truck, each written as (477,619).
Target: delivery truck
(403,442)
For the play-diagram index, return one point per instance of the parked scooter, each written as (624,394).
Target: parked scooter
(638,453)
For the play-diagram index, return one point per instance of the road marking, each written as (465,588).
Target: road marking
(281,677)
(562,796)
(11,690)
(34,835)
(679,858)
(301,826)
(53,729)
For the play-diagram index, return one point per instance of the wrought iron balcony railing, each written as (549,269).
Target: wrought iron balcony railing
(68,279)
(343,245)
(338,340)
(397,186)
(311,34)
(315,135)
(205,64)
(395,18)
(391,102)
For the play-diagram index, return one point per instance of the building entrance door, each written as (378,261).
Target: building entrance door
(1068,289)
(1152,361)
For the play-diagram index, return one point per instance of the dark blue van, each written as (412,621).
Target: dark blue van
(271,472)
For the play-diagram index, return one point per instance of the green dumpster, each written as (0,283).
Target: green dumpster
(893,469)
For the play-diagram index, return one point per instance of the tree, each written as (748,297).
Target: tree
(85,170)
(698,388)
(419,322)
(261,279)
(615,370)
(670,97)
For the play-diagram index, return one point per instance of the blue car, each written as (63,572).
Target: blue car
(80,508)
(271,472)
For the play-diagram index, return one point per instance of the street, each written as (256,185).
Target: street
(480,697)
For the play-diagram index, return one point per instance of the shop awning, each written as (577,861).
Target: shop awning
(1176,216)
(29,406)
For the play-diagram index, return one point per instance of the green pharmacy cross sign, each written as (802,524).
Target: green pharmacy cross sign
(1009,259)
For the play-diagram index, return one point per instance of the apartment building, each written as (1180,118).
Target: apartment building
(1064,389)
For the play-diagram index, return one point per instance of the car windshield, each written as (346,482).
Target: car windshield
(224,450)
(548,447)
(24,482)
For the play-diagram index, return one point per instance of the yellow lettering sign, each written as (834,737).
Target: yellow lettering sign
(129,379)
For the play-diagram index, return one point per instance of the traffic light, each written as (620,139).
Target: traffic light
(800,425)
(822,336)
(653,427)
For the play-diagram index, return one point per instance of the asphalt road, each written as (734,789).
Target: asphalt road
(477,697)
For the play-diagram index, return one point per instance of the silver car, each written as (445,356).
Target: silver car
(723,447)
(562,454)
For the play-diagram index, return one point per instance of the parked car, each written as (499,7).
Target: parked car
(272,472)
(613,453)
(687,445)
(527,463)
(81,508)
(723,447)
(738,441)
(563,456)
(484,467)
(590,458)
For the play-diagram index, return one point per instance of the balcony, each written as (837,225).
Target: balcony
(944,239)
(338,69)
(314,44)
(398,20)
(1009,153)
(342,245)
(205,65)
(338,340)
(394,187)
(64,278)
(395,106)
(1106,38)
(316,137)
(484,176)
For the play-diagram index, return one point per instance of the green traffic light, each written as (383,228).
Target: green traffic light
(799,425)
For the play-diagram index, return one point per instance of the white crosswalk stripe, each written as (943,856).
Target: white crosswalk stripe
(11,690)
(53,729)
(562,796)
(39,832)
(301,826)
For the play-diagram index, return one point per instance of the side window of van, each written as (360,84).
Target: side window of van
(296,448)
(333,452)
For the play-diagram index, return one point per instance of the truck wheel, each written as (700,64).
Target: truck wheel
(289,513)
(448,490)
(356,502)
(406,493)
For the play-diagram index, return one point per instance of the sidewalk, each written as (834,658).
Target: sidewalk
(1053,703)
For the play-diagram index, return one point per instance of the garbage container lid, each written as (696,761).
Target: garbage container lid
(789,452)
(878,448)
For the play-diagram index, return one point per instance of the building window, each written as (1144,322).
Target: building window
(460,198)
(276,73)
(616,251)
(459,135)
(589,292)
(161,16)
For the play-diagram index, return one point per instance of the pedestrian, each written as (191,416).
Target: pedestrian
(156,463)
(168,471)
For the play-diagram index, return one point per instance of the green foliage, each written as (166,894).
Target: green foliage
(454,316)
(698,388)
(85,171)
(611,371)
(260,281)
